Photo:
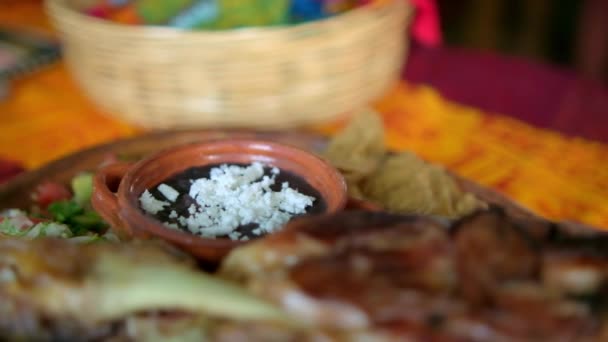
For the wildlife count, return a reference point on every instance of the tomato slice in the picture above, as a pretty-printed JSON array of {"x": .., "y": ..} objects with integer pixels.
[
  {"x": 49, "y": 192},
  {"x": 36, "y": 220}
]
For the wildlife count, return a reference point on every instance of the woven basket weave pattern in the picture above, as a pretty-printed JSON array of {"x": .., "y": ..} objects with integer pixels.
[{"x": 258, "y": 77}]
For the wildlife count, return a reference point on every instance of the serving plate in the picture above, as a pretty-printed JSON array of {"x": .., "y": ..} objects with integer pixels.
[{"x": 17, "y": 192}]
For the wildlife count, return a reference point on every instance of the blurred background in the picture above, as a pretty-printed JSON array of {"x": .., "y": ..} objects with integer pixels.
[{"x": 568, "y": 33}]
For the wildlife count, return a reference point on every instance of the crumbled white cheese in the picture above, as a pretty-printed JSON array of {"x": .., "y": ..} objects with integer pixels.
[
  {"x": 235, "y": 196},
  {"x": 234, "y": 235},
  {"x": 169, "y": 192},
  {"x": 150, "y": 204}
]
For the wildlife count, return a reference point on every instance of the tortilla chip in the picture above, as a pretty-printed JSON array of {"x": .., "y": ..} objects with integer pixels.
[
  {"x": 359, "y": 148},
  {"x": 469, "y": 203},
  {"x": 353, "y": 185},
  {"x": 398, "y": 186},
  {"x": 401, "y": 183},
  {"x": 404, "y": 183}
]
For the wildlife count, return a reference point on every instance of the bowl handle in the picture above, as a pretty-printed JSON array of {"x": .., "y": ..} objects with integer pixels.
[{"x": 104, "y": 199}]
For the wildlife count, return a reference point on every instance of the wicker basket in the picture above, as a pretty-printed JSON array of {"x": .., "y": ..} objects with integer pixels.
[{"x": 271, "y": 77}]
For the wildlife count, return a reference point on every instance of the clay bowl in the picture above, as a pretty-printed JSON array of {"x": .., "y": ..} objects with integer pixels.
[{"x": 117, "y": 187}]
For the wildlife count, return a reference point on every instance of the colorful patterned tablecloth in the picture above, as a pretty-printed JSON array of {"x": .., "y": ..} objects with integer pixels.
[{"x": 46, "y": 117}]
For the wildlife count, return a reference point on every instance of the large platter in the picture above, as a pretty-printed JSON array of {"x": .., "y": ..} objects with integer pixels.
[{"x": 16, "y": 193}]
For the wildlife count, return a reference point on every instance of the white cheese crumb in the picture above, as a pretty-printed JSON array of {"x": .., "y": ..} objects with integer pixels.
[
  {"x": 150, "y": 204},
  {"x": 192, "y": 209},
  {"x": 169, "y": 192},
  {"x": 172, "y": 225},
  {"x": 233, "y": 196}
]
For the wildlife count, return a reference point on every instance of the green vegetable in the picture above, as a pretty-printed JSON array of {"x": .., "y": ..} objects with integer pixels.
[
  {"x": 48, "y": 229},
  {"x": 63, "y": 211},
  {"x": 42, "y": 229},
  {"x": 82, "y": 187},
  {"x": 75, "y": 216},
  {"x": 89, "y": 220},
  {"x": 72, "y": 219},
  {"x": 77, "y": 212},
  {"x": 7, "y": 227}
]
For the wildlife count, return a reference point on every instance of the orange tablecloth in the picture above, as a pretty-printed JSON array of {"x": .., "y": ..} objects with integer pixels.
[{"x": 47, "y": 117}]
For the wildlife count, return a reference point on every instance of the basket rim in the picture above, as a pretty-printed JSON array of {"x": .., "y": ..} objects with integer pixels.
[{"x": 63, "y": 8}]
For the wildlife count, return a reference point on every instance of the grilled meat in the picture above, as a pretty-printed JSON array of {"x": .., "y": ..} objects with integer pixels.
[
  {"x": 487, "y": 277},
  {"x": 358, "y": 276}
]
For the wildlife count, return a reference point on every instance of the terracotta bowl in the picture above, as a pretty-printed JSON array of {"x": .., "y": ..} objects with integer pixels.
[{"x": 117, "y": 187}]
